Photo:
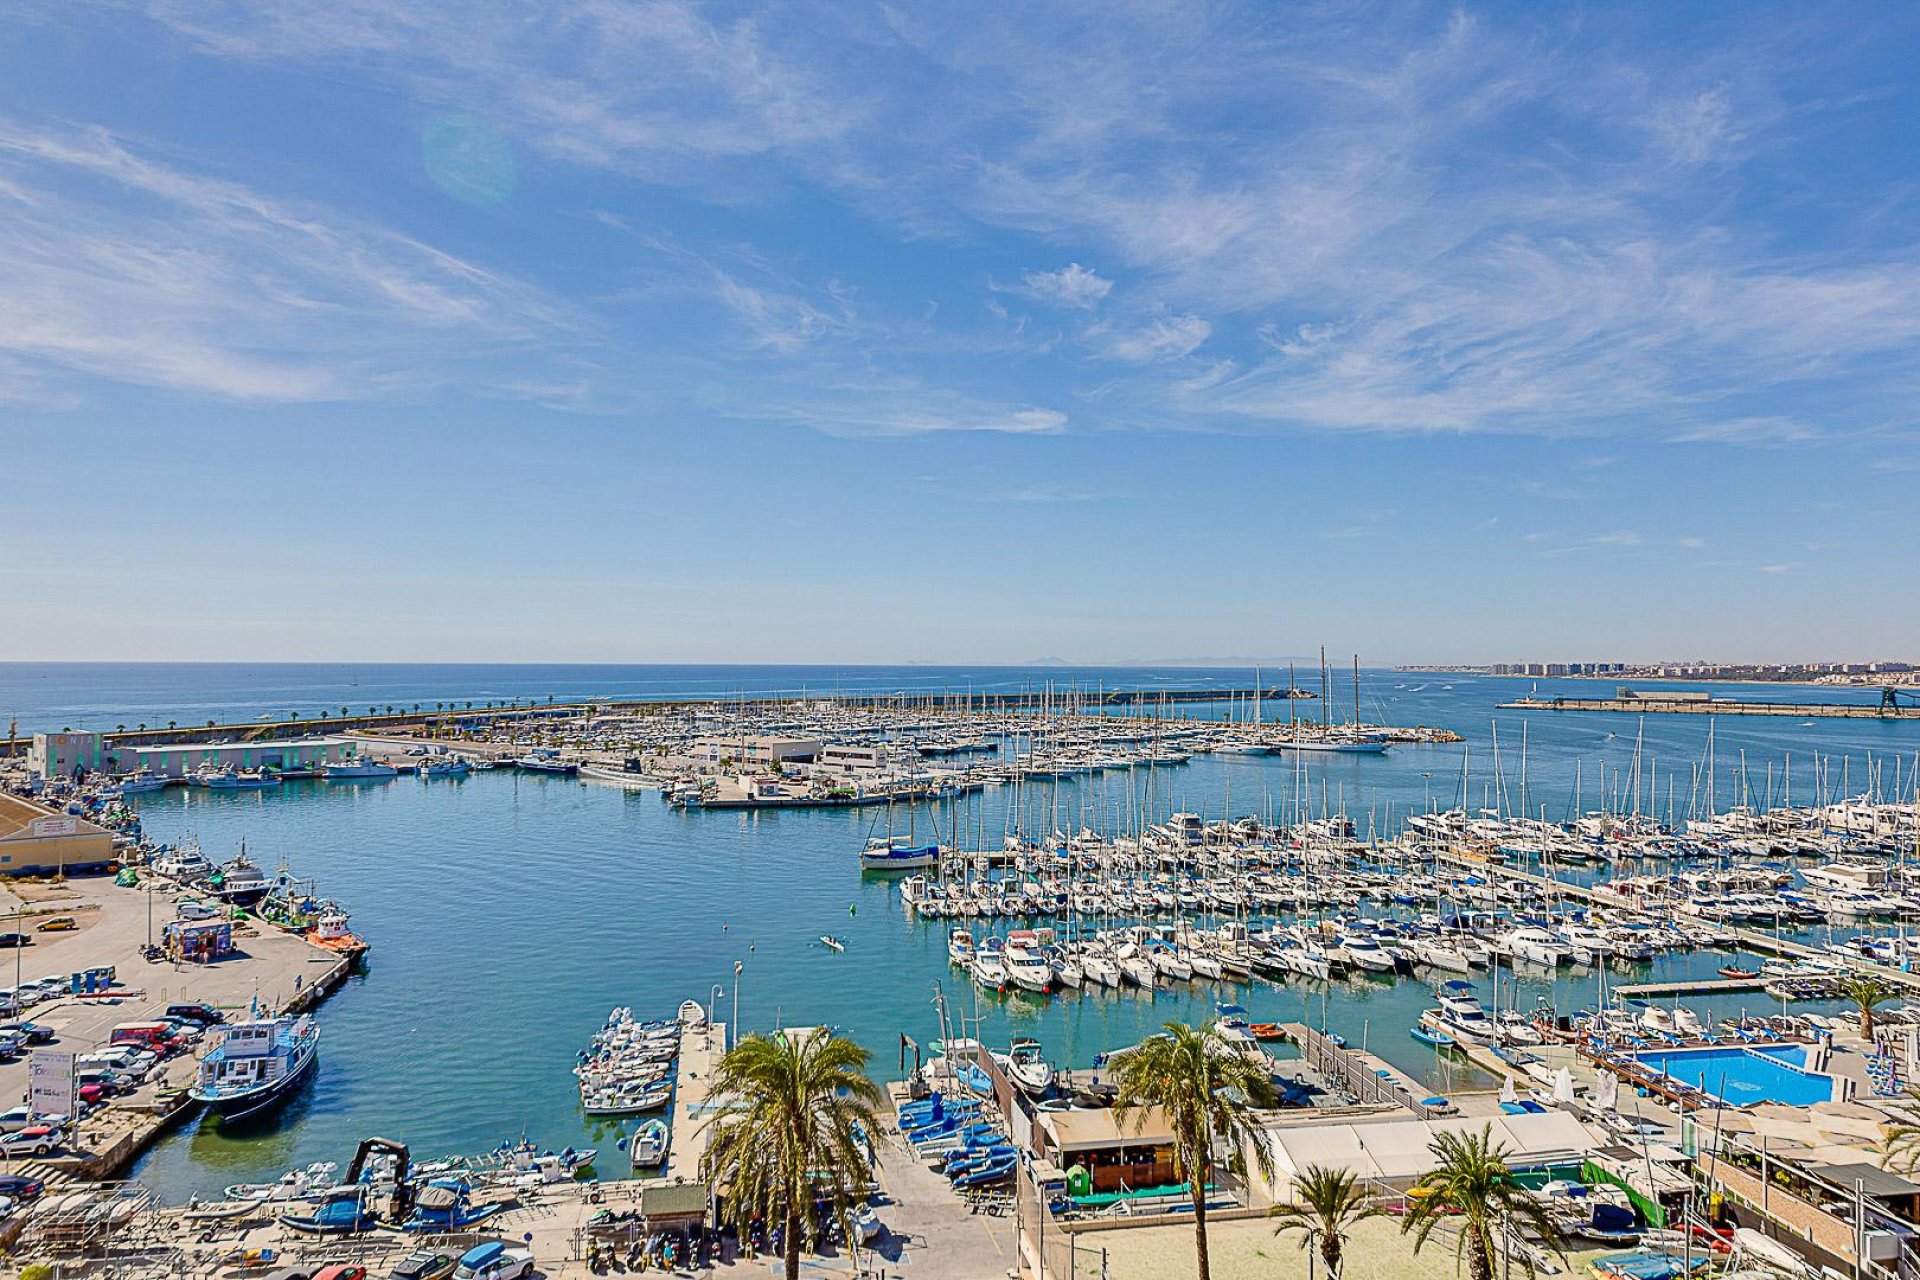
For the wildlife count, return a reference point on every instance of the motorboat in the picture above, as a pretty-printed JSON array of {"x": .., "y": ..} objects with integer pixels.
[
  {"x": 649, "y": 1146},
  {"x": 1461, "y": 1014},
  {"x": 547, "y": 760},
  {"x": 140, "y": 780},
  {"x": 1535, "y": 944},
  {"x": 1365, "y": 952},
  {"x": 1027, "y": 1069},
  {"x": 359, "y": 768},
  {"x": 1026, "y": 967},
  {"x": 960, "y": 947},
  {"x": 1231, "y": 1025},
  {"x": 229, "y": 778},
  {"x": 253, "y": 1066}
]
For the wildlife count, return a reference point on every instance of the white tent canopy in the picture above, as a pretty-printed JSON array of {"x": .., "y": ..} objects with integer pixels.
[{"x": 1399, "y": 1151}]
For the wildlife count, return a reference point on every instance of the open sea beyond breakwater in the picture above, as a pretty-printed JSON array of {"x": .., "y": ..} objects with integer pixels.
[{"x": 509, "y": 912}]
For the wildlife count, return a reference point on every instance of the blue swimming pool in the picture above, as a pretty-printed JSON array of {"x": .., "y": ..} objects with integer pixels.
[{"x": 1742, "y": 1076}]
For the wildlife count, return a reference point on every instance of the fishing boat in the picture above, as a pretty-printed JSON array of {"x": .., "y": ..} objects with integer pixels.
[
  {"x": 254, "y": 1065},
  {"x": 446, "y": 767},
  {"x": 240, "y": 883},
  {"x": 649, "y": 1146},
  {"x": 140, "y": 780},
  {"x": 447, "y": 1204},
  {"x": 330, "y": 932},
  {"x": 832, "y": 943},
  {"x": 692, "y": 1014}
]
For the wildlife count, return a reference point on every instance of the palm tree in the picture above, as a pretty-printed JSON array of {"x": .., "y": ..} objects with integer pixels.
[
  {"x": 790, "y": 1110},
  {"x": 1327, "y": 1203},
  {"x": 1900, "y": 1141},
  {"x": 1205, "y": 1089},
  {"x": 1474, "y": 1182},
  {"x": 1869, "y": 991}
]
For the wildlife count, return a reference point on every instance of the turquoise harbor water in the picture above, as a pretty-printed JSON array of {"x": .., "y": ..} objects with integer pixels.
[{"x": 508, "y": 913}]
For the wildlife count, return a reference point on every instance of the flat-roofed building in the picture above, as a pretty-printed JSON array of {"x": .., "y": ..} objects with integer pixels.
[
  {"x": 755, "y": 749},
  {"x": 176, "y": 760},
  {"x": 36, "y": 840},
  {"x": 67, "y": 755}
]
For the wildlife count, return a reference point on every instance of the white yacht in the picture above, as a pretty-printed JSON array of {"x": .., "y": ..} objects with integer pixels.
[
  {"x": 1026, "y": 967},
  {"x": 1027, "y": 1069},
  {"x": 1366, "y": 952},
  {"x": 354, "y": 768},
  {"x": 1461, "y": 1014},
  {"x": 1530, "y": 942},
  {"x": 141, "y": 780}
]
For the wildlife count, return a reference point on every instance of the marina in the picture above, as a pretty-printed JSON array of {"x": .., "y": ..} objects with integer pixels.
[{"x": 1057, "y": 898}]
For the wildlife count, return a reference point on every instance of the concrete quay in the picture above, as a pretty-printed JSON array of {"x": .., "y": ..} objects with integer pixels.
[{"x": 280, "y": 970}]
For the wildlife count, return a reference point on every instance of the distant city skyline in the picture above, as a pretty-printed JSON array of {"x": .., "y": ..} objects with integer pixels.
[{"x": 816, "y": 333}]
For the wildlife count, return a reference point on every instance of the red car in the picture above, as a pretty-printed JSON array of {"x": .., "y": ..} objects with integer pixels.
[{"x": 340, "y": 1273}]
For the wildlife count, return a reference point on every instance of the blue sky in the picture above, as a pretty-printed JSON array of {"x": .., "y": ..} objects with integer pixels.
[{"x": 853, "y": 332}]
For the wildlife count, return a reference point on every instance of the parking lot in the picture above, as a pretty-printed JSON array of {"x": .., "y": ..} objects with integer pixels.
[{"x": 113, "y": 929}]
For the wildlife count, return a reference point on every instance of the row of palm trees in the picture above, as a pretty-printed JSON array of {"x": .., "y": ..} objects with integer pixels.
[{"x": 793, "y": 1115}]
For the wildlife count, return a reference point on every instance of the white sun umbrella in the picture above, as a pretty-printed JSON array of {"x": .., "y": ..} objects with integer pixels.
[
  {"x": 1508, "y": 1093},
  {"x": 1563, "y": 1086},
  {"x": 1607, "y": 1096}
]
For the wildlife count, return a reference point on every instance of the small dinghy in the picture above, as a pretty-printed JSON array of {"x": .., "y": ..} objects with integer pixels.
[
  {"x": 832, "y": 943},
  {"x": 649, "y": 1148}
]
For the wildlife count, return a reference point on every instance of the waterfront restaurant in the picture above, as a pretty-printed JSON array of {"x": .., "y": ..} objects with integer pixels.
[{"x": 1105, "y": 1152}]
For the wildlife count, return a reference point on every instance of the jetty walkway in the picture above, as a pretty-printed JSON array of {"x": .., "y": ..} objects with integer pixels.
[
  {"x": 1654, "y": 704},
  {"x": 1747, "y": 939}
]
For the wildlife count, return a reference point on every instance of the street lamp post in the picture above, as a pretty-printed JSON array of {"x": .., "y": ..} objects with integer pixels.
[
  {"x": 713, "y": 1001},
  {"x": 733, "y": 1027}
]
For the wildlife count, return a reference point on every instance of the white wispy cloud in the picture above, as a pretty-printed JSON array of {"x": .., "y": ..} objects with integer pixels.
[
  {"x": 1392, "y": 220},
  {"x": 1071, "y": 286},
  {"x": 117, "y": 265},
  {"x": 1160, "y": 338}
]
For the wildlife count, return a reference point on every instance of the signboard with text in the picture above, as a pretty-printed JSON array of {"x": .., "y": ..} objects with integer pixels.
[{"x": 50, "y": 1083}]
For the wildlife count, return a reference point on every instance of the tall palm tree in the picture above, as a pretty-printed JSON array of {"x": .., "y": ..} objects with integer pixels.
[
  {"x": 1327, "y": 1203},
  {"x": 1204, "y": 1088},
  {"x": 1868, "y": 991},
  {"x": 785, "y": 1131},
  {"x": 1474, "y": 1182}
]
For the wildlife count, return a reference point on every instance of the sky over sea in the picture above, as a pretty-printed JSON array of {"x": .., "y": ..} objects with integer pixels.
[{"x": 850, "y": 332}]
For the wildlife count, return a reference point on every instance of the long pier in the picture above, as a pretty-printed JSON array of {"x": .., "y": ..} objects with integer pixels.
[
  {"x": 1747, "y": 939},
  {"x": 1654, "y": 704},
  {"x": 392, "y": 717}
]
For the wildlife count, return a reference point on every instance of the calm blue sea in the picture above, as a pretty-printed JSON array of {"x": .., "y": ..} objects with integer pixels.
[{"x": 509, "y": 913}]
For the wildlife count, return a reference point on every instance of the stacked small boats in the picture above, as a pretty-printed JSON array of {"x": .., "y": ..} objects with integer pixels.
[{"x": 628, "y": 1067}]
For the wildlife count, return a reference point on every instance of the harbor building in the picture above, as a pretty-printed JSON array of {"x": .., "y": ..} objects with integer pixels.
[
  {"x": 69, "y": 755},
  {"x": 756, "y": 749},
  {"x": 176, "y": 760},
  {"x": 35, "y": 840}
]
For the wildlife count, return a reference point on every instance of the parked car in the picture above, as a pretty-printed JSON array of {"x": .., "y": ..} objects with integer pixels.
[
  {"x": 203, "y": 1014},
  {"x": 34, "y": 1032},
  {"x": 58, "y": 924},
  {"x": 105, "y": 1080},
  {"x": 493, "y": 1261},
  {"x": 425, "y": 1264},
  {"x": 35, "y": 1139},
  {"x": 17, "y": 1118},
  {"x": 15, "y": 940},
  {"x": 341, "y": 1271},
  {"x": 19, "y": 1187},
  {"x": 12, "y": 1044}
]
